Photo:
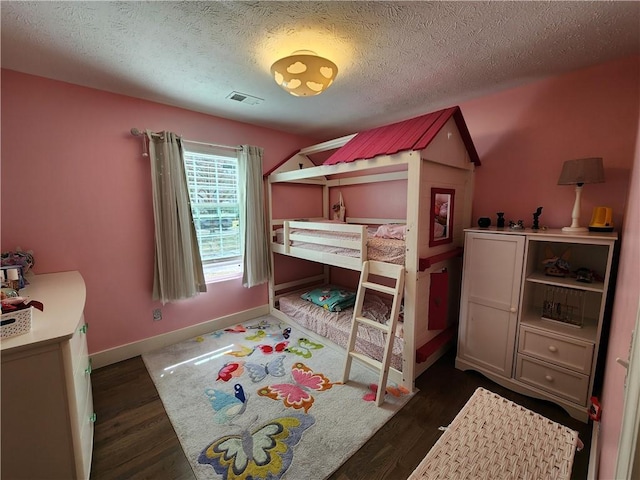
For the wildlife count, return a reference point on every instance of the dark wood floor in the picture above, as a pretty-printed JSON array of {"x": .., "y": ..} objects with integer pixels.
[{"x": 134, "y": 438}]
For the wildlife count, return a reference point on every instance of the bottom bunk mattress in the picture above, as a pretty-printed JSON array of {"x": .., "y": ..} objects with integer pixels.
[{"x": 336, "y": 326}]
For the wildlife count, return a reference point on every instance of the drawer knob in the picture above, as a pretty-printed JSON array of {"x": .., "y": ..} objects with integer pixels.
[
  {"x": 553, "y": 348},
  {"x": 548, "y": 378},
  {"x": 84, "y": 328},
  {"x": 88, "y": 370},
  {"x": 512, "y": 309},
  {"x": 93, "y": 418}
]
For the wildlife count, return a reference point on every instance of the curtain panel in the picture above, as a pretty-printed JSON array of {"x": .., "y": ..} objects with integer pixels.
[
  {"x": 256, "y": 257},
  {"x": 178, "y": 272}
]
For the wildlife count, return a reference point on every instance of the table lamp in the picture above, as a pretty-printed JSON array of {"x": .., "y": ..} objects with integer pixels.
[{"x": 578, "y": 172}]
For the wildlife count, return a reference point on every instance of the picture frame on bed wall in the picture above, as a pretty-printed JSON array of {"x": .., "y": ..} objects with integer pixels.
[{"x": 442, "y": 208}]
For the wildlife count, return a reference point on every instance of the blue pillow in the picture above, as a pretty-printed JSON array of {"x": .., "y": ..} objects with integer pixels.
[{"x": 332, "y": 298}]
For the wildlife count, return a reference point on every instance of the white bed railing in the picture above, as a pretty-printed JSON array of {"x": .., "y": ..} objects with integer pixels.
[{"x": 312, "y": 241}]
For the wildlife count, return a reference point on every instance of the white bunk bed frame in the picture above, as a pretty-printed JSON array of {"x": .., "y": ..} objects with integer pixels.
[{"x": 444, "y": 163}]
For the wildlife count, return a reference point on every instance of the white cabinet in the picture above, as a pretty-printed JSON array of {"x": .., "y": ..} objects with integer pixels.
[
  {"x": 527, "y": 330},
  {"x": 491, "y": 289},
  {"x": 47, "y": 409}
]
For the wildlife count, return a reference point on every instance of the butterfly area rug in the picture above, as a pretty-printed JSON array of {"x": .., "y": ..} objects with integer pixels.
[{"x": 260, "y": 401}]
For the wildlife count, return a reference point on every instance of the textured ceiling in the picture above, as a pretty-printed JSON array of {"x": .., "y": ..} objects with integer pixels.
[{"x": 396, "y": 60}]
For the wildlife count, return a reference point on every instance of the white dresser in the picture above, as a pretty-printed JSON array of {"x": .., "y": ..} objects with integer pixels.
[
  {"x": 47, "y": 408},
  {"x": 513, "y": 327}
]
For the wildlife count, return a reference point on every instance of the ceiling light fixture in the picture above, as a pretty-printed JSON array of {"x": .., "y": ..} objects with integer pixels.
[{"x": 304, "y": 74}]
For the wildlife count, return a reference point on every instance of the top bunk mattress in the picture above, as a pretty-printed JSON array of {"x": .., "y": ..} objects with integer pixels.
[{"x": 390, "y": 250}]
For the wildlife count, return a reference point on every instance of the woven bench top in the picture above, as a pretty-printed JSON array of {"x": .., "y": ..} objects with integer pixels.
[{"x": 494, "y": 438}]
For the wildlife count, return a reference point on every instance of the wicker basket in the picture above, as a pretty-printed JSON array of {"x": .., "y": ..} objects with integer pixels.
[{"x": 16, "y": 323}]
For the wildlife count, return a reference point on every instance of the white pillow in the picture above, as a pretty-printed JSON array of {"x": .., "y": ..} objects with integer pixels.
[{"x": 391, "y": 231}]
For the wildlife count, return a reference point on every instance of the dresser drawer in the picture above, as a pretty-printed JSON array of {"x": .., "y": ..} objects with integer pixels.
[
  {"x": 559, "y": 381},
  {"x": 563, "y": 351}
]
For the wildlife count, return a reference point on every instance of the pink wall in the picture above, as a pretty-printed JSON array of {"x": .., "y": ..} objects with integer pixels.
[
  {"x": 524, "y": 135},
  {"x": 623, "y": 323},
  {"x": 76, "y": 191}
]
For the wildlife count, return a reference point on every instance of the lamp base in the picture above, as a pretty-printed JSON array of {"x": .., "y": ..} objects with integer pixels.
[{"x": 574, "y": 229}]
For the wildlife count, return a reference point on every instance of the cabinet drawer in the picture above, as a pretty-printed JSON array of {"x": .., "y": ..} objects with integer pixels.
[
  {"x": 563, "y": 351},
  {"x": 553, "y": 379}
]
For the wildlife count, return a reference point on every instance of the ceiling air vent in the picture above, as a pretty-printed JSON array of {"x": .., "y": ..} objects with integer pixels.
[{"x": 245, "y": 98}]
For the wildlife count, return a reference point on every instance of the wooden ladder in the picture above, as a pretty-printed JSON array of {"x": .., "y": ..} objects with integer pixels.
[{"x": 387, "y": 270}]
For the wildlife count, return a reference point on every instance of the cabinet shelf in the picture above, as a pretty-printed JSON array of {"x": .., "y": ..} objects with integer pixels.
[
  {"x": 588, "y": 332},
  {"x": 566, "y": 282}
]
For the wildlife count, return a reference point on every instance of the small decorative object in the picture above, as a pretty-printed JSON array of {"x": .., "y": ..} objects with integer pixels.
[
  {"x": 16, "y": 265},
  {"x": 555, "y": 266},
  {"x": 584, "y": 275},
  {"x": 536, "y": 215},
  {"x": 564, "y": 305},
  {"x": 484, "y": 222},
  {"x": 339, "y": 210},
  {"x": 500, "y": 219},
  {"x": 516, "y": 226},
  {"x": 601, "y": 220}
]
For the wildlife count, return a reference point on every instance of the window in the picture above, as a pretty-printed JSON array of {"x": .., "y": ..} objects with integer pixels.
[{"x": 212, "y": 177}]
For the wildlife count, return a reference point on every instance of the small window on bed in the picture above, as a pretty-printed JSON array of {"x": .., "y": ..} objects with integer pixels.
[{"x": 441, "y": 230}]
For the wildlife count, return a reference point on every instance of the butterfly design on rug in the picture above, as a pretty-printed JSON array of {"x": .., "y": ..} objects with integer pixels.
[
  {"x": 242, "y": 352},
  {"x": 230, "y": 370},
  {"x": 265, "y": 453},
  {"x": 226, "y": 406},
  {"x": 269, "y": 349},
  {"x": 304, "y": 347},
  {"x": 297, "y": 395},
  {"x": 237, "y": 329},
  {"x": 259, "y": 371},
  {"x": 259, "y": 335}
]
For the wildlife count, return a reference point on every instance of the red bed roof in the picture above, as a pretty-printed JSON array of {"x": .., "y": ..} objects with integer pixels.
[{"x": 413, "y": 134}]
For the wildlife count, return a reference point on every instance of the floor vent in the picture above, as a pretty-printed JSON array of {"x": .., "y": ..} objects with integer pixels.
[{"x": 245, "y": 98}]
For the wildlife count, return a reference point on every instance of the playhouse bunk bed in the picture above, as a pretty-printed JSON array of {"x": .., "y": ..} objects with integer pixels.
[{"x": 430, "y": 160}]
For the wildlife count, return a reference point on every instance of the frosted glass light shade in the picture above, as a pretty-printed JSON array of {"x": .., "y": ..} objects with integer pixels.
[{"x": 304, "y": 74}]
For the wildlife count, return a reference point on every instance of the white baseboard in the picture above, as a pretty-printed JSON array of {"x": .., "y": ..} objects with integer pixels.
[{"x": 130, "y": 350}]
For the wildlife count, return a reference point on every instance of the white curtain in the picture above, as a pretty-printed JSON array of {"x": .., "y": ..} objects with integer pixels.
[
  {"x": 178, "y": 270},
  {"x": 256, "y": 257}
]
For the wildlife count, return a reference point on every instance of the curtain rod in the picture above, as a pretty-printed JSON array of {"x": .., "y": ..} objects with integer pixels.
[{"x": 137, "y": 133}]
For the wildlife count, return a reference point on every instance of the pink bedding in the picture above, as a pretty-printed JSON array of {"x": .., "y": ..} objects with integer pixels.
[{"x": 336, "y": 325}]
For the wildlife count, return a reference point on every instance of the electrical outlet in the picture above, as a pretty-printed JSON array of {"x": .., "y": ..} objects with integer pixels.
[{"x": 157, "y": 315}]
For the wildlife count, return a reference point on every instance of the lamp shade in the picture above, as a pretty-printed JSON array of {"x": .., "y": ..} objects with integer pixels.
[
  {"x": 304, "y": 74},
  {"x": 581, "y": 171}
]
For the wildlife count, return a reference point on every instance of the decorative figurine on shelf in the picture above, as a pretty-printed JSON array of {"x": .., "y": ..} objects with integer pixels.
[
  {"x": 500, "y": 219},
  {"x": 484, "y": 222},
  {"x": 555, "y": 266},
  {"x": 536, "y": 215},
  {"x": 339, "y": 210},
  {"x": 516, "y": 226}
]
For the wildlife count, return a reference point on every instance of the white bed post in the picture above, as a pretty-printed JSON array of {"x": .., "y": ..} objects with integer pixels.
[{"x": 414, "y": 169}]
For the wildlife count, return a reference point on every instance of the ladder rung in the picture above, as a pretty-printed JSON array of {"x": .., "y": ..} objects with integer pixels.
[
  {"x": 365, "y": 359},
  {"x": 374, "y": 324},
  {"x": 379, "y": 288}
]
